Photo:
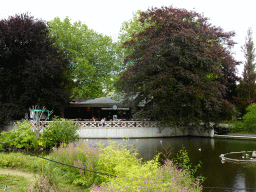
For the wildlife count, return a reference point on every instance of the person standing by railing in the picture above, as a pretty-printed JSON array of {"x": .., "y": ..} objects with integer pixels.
[
  {"x": 94, "y": 120},
  {"x": 103, "y": 121}
]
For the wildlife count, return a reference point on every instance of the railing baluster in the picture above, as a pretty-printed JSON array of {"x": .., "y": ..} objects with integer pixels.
[{"x": 84, "y": 124}]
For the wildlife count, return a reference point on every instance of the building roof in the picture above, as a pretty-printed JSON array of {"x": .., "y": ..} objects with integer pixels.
[{"x": 108, "y": 101}]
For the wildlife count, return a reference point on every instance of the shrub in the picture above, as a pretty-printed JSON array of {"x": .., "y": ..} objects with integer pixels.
[
  {"x": 237, "y": 127},
  {"x": 113, "y": 159},
  {"x": 249, "y": 119},
  {"x": 152, "y": 177},
  {"x": 60, "y": 131},
  {"x": 120, "y": 160},
  {"x": 248, "y": 123},
  {"x": 21, "y": 137},
  {"x": 123, "y": 162},
  {"x": 183, "y": 162}
]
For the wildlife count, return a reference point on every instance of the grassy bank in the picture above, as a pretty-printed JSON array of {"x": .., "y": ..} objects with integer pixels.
[
  {"x": 19, "y": 180},
  {"x": 13, "y": 182},
  {"x": 245, "y": 125}
]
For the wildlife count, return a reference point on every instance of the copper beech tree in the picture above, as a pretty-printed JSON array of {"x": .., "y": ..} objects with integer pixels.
[
  {"x": 32, "y": 71},
  {"x": 177, "y": 67}
]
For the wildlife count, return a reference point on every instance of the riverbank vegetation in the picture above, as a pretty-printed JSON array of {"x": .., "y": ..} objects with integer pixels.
[
  {"x": 124, "y": 171},
  {"x": 248, "y": 122},
  {"x": 59, "y": 131}
]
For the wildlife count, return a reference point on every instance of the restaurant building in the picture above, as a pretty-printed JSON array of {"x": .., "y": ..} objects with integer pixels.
[{"x": 109, "y": 107}]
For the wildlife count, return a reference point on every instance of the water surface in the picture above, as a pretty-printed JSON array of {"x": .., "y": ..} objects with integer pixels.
[{"x": 206, "y": 150}]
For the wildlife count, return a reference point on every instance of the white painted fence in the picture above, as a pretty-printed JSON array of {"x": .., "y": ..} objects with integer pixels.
[
  {"x": 133, "y": 129},
  {"x": 84, "y": 124}
]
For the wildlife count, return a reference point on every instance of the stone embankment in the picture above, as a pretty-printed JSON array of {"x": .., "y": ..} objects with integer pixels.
[
  {"x": 227, "y": 135},
  {"x": 236, "y": 136}
]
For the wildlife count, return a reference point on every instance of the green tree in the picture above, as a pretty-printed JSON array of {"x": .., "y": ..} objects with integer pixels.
[
  {"x": 134, "y": 26},
  {"x": 32, "y": 71},
  {"x": 176, "y": 68},
  {"x": 127, "y": 30},
  {"x": 93, "y": 56},
  {"x": 246, "y": 89}
]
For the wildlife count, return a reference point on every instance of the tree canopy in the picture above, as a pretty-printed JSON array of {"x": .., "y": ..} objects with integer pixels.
[
  {"x": 32, "y": 71},
  {"x": 93, "y": 56},
  {"x": 177, "y": 67},
  {"x": 247, "y": 87}
]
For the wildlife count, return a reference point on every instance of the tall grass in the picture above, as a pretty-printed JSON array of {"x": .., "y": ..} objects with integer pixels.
[
  {"x": 80, "y": 155},
  {"x": 131, "y": 173},
  {"x": 21, "y": 161},
  {"x": 122, "y": 161}
]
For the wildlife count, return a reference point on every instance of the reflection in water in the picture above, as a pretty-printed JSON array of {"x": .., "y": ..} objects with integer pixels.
[
  {"x": 239, "y": 181},
  {"x": 217, "y": 174},
  {"x": 212, "y": 143}
]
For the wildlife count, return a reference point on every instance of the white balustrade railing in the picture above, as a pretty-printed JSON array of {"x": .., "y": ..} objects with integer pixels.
[{"x": 85, "y": 124}]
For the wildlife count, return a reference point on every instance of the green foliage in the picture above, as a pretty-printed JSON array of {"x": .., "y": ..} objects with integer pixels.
[
  {"x": 121, "y": 161},
  {"x": 15, "y": 183},
  {"x": 248, "y": 123},
  {"x": 116, "y": 159},
  {"x": 93, "y": 57},
  {"x": 21, "y": 137},
  {"x": 79, "y": 155},
  {"x": 21, "y": 161},
  {"x": 249, "y": 119},
  {"x": 34, "y": 168},
  {"x": 113, "y": 160},
  {"x": 247, "y": 88},
  {"x": 237, "y": 127},
  {"x": 56, "y": 132},
  {"x": 44, "y": 182},
  {"x": 150, "y": 176},
  {"x": 183, "y": 161},
  {"x": 127, "y": 31},
  {"x": 130, "y": 176},
  {"x": 59, "y": 131}
]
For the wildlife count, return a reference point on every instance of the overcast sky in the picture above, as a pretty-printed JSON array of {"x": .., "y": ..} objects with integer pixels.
[{"x": 106, "y": 16}]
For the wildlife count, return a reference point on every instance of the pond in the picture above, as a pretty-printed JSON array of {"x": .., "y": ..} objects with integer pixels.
[{"x": 239, "y": 175}]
